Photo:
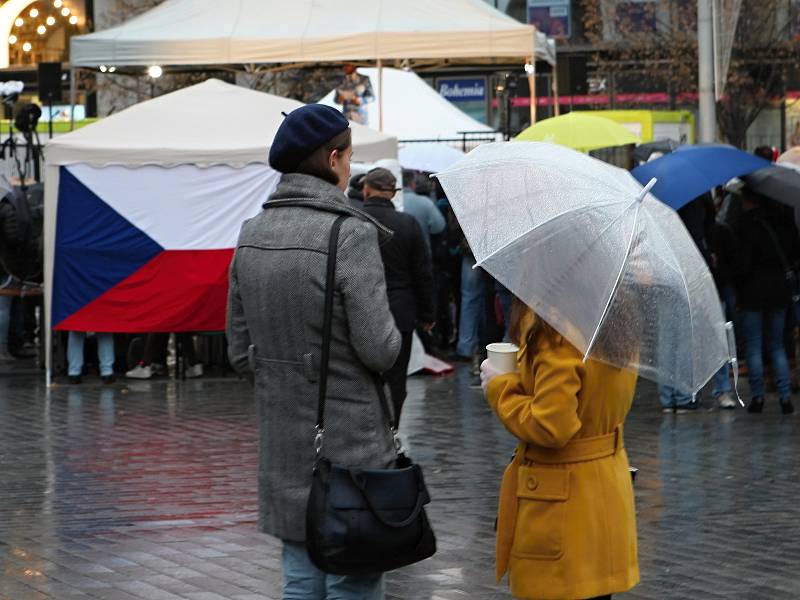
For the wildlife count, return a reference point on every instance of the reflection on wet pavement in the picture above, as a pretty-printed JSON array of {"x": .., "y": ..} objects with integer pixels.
[{"x": 147, "y": 491}]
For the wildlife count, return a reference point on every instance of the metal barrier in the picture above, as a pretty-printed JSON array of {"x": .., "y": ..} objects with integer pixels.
[{"x": 469, "y": 140}]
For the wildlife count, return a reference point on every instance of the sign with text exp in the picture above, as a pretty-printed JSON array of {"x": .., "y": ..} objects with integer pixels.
[{"x": 470, "y": 94}]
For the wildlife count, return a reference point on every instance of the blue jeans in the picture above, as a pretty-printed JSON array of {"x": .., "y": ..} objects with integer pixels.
[
  {"x": 5, "y": 320},
  {"x": 303, "y": 581},
  {"x": 671, "y": 398},
  {"x": 722, "y": 378},
  {"x": 105, "y": 353},
  {"x": 754, "y": 325},
  {"x": 473, "y": 310}
]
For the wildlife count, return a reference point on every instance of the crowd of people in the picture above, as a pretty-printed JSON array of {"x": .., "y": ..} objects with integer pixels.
[{"x": 298, "y": 323}]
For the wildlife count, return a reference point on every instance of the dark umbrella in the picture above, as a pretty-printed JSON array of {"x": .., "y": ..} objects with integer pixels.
[
  {"x": 643, "y": 152},
  {"x": 691, "y": 171},
  {"x": 778, "y": 182}
]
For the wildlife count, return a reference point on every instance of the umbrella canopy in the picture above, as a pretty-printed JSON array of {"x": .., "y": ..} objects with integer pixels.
[
  {"x": 643, "y": 152},
  {"x": 691, "y": 171},
  {"x": 605, "y": 263},
  {"x": 791, "y": 156},
  {"x": 580, "y": 131},
  {"x": 430, "y": 158},
  {"x": 780, "y": 182}
]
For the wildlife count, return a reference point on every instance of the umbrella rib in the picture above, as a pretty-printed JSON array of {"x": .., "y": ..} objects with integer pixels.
[{"x": 617, "y": 283}]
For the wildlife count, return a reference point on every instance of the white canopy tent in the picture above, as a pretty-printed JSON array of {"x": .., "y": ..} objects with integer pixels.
[
  {"x": 241, "y": 32},
  {"x": 247, "y": 33},
  {"x": 413, "y": 110},
  {"x": 183, "y": 170},
  {"x": 210, "y": 123}
]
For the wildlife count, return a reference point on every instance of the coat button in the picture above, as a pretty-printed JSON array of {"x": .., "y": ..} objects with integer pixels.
[{"x": 532, "y": 483}]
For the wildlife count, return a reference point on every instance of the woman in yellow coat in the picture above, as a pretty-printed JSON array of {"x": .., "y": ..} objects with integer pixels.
[{"x": 566, "y": 525}]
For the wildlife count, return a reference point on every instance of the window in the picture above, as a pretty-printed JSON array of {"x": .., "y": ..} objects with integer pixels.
[{"x": 636, "y": 16}]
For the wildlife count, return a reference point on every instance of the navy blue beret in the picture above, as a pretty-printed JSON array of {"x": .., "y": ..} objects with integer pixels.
[{"x": 304, "y": 130}]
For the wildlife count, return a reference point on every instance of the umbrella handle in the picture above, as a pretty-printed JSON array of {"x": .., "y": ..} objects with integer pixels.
[{"x": 646, "y": 190}]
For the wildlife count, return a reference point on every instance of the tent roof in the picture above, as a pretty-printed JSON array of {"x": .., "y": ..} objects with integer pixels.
[
  {"x": 413, "y": 110},
  {"x": 209, "y": 123},
  {"x": 209, "y": 32}
]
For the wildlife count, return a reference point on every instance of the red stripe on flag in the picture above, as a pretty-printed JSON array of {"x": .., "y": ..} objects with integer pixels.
[{"x": 179, "y": 290}]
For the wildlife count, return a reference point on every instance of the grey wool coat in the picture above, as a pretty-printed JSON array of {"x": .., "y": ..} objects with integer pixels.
[{"x": 275, "y": 314}]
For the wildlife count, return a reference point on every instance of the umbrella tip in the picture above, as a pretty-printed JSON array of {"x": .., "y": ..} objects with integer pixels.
[{"x": 646, "y": 190}]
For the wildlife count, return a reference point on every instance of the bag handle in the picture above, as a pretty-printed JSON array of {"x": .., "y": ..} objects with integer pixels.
[
  {"x": 327, "y": 326},
  {"x": 359, "y": 482}
]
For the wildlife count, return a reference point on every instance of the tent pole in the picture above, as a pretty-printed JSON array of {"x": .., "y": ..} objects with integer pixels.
[
  {"x": 380, "y": 95},
  {"x": 556, "y": 99},
  {"x": 73, "y": 96},
  {"x": 532, "y": 86}
]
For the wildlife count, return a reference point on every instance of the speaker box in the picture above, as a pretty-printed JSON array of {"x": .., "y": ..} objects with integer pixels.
[{"x": 50, "y": 82}]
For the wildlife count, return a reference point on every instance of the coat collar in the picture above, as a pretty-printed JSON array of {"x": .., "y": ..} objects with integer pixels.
[
  {"x": 379, "y": 202},
  {"x": 297, "y": 189}
]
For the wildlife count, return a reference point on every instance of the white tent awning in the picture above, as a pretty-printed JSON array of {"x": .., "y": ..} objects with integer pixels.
[
  {"x": 413, "y": 110},
  {"x": 207, "y": 124},
  {"x": 209, "y": 32}
]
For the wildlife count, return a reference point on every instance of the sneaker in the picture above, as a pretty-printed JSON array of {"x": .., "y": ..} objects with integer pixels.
[
  {"x": 756, "y": 405},
  {"x": 726, "y": 401},
  {"x": 74, "y": 379},
  {"x": 108, "y": 379},
  {"x": 668, "y": 410},
  {"x": 691, "y": 407},
  {"x": 787, "y": 408},
  {"x": 194, "y": 371},
  {"x": 140, "y": 372}
]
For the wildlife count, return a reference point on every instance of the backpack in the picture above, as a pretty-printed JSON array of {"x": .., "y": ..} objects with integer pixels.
[{"x": 25, "y": 260}]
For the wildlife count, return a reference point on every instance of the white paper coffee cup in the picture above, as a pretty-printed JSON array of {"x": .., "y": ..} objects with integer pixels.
[{"x": 503, "y": 356}]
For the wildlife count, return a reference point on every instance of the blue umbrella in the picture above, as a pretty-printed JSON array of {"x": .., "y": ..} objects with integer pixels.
[{"x": 691, "y": 171}]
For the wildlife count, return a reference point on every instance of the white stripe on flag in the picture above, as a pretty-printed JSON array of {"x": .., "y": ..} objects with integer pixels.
[{"x": 184, "y": 207}]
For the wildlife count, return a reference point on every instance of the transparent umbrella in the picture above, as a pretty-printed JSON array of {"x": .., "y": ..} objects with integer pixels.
[{"x": 598, "y": 257}]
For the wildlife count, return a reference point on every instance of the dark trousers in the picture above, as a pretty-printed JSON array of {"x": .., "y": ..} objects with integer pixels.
[
  {"x": 155, "y": 348},
  {"x": 396, "y": 376}
]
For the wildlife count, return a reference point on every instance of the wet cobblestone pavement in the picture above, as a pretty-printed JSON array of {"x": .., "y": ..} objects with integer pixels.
[{"x": 147, "y": 491}]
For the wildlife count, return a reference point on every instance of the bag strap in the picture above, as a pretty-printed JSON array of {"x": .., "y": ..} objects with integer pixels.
[
  {"x": 775, "y": 244},
  {"x": 327, "y": 326}
]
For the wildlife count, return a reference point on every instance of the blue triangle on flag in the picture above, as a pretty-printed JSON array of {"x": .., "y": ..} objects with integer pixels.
[{"x": 96, "y": 247}]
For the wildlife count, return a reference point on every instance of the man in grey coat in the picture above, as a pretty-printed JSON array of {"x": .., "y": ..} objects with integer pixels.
[{"x": 275, "y": 319}]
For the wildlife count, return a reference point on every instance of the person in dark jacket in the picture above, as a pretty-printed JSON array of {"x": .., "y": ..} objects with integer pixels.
[
  {"x": 409, "y": 273},
  {"x": 275, "y": 328},
  {"x": 9, "y": 241},
  {"x": 768, "y": 246}
]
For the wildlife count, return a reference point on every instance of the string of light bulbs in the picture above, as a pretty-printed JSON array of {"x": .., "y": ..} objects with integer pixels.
[{"x": 42, "y": 28}]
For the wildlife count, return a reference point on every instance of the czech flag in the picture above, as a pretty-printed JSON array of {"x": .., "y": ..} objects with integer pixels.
[{"x": 148, "y": 249}]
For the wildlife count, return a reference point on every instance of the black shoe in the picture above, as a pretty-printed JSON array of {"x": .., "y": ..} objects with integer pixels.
[
  {"x": 108, "y": 379},
  {"x": 475, "y": 383},
  {"x": 787, "y": 408},
  {"x": 74, "y": 379},
  {"x": 756, "y": 405},
  {"x": 691, "y": 407}
]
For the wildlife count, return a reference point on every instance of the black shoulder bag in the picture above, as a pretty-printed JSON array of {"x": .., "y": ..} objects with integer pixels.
[
  {"x": 792, "y": 280},
  {"x": 363, "y": 521}
]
